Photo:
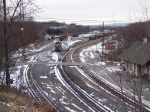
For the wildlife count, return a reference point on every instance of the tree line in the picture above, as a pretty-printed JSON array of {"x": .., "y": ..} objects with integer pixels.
[
  {"x": 17, "y": 30},
  {"x": 135, "y": 31}
]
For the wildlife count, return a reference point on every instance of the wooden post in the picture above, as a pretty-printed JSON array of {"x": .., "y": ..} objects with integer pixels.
[{"x": 103, "y": 43}]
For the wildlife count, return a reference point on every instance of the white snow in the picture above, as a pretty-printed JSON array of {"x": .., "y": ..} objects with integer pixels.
[
  {"x": 19, "y": 79},
  {"x": 44, "y": 77}
]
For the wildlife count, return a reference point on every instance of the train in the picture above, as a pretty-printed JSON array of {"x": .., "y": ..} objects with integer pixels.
[
  {"x": 58, "y": 46},
  {"x": 97, "y": 34},
  {"x": 62, "y": 37}
]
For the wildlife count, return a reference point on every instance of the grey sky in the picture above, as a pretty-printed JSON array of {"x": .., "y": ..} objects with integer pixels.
[{"x": 78, "y": 11}]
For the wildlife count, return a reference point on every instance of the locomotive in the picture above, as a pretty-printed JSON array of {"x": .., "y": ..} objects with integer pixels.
[{"x": 58, "y": 46}]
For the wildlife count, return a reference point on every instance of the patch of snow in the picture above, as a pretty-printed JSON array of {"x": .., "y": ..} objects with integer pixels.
[
  {"x": 55, "y": 56},
  {"x": 52, "y": 91},
  {"x": 70, "y": 110},
  {"x": 91, "y": 86},
  {"x": 43, "y": 77},
  {"x": 79, "y": 109},
  {"x": 146, "y": 89}
]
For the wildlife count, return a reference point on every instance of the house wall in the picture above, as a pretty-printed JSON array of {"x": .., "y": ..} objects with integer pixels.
[
  {"x": 136, "y": 69},
  {"x": 132, "y": 64},
  {"x": 147, "y": 70},
  {"x": 132, "y": 68}
]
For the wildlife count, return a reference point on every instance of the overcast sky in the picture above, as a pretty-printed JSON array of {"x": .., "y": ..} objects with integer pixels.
[{"x": 92, "y": 11}]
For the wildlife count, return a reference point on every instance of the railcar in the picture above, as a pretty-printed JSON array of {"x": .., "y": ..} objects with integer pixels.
[{"x": 58, "y": 46}]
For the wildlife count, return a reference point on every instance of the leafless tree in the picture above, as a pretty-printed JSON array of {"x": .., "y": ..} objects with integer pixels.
[
  {"x": 16, "y": 14},
  {"x": 132, "y": 33}
]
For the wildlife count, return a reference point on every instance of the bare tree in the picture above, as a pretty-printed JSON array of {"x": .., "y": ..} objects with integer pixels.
[
  {"x": 132, "y": 33},
  {"x": 16, "y": 13}
]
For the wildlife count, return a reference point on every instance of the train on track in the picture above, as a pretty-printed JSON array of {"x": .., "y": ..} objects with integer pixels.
[{"x": 58, "y": 46}]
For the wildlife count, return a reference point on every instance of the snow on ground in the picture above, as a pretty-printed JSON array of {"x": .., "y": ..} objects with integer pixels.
[
  {"x": 49, "y": 56},
  {"x": 66, "y": 44},
  {"x": 30, "y": 49},
  {"x": 43, "y": 77},
  {"x": 70, "y": 42},
  {"x": 18, "y": 72},
  {"x": 104, "y": 68}
]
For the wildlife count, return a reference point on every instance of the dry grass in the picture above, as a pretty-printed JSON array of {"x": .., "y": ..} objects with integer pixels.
[{"x": 12, "y": 100}]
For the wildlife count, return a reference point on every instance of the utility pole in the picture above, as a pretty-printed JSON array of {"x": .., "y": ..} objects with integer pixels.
[
  {"x": 103, "y": 43},
  {"x": 6, "y": 46},
  {"x": 22, "y": 28}
]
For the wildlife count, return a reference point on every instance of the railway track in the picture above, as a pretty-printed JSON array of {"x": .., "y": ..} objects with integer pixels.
[
  {"x": 35, "y": 91},
  {"x": 126, "y": 98},
  {"x": 86, "y": 98},
  {"x": 39, "y": 95},
  {"x": 90, "y": 101}
]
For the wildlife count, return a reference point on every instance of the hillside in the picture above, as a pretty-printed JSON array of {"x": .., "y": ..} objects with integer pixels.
[{"x": 12, "y": 100}]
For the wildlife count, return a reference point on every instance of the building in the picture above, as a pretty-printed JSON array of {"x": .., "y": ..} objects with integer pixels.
[
  {"x": 137, "y": 58},
  {"x": 47, "y": 37}
]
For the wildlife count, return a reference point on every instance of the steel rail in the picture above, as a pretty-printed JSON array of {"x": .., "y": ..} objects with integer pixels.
[
  {"x": 37, "y": 92},
  {"x": 120, "y": 94},
  {"x": 84, "y": 96}
]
